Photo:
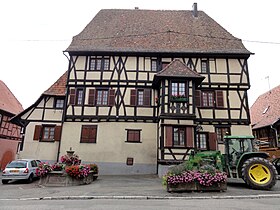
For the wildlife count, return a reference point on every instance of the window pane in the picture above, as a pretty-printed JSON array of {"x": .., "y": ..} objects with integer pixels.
[
  {"x": 154, "y": 65},
  {"x": 182, "y": 89},
  {"x": 59, "y": 103},
  {"x": 182, "y": 137},
  {"x": 79, "y": 97},
  {"x": 102, "y": 97},
  {"x": 106, "y": 64},
  {"x": 98, "y": 64},
  {"x": 92, "y": 64},
  {"x": 175, "y": 136},
  {"x": 140, "y": 97},
  {"x": 174, "y": 89}
]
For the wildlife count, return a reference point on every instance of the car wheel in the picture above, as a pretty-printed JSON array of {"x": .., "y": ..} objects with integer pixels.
[
  {"x": 5, "y": 181},
  {"x": 30, "y": 178}
]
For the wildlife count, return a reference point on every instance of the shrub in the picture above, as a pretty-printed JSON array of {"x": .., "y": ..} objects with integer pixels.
[
  {"x": 58, "y": 167},
  {"x": 93, "y": 168},
  {"x": 77, "y": 171},
  {"x": 43, "y": 169},
  {"x": 70, "y": 159}
]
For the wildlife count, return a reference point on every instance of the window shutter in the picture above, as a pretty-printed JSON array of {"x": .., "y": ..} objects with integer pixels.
[
  {"x": 91, "y": 97},
  {"x": 219, "y": 98},
  {"x": 168, "y": 136},
  {"x": 189, "y": 135},
  {"x": 213, "y": 141},
  {"x": 198, "y": 98},
  {"x": 147, "y": 97},
  {"x": 72, "y": 96},
  {"x": 133, "y": 97},
  {"x": 57, "y": 133},
  {"x": 111, "y": 97},
  {"x": 37, "y": 132}
]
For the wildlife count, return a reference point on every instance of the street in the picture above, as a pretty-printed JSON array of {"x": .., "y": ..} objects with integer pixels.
[{"x": 109, "y": 204}]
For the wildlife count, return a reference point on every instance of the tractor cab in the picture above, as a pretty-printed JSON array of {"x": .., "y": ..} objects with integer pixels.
[{"x": 236, "y": 146}]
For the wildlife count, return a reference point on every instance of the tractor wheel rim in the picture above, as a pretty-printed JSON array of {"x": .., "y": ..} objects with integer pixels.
[{"x": 259, "y": 173}]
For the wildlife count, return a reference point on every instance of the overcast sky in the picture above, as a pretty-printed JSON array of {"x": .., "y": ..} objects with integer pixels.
[{"x": 34, "y": 34}]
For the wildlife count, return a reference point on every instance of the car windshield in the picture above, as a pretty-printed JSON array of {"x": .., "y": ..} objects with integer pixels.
[{"x": 17, "y": 164}]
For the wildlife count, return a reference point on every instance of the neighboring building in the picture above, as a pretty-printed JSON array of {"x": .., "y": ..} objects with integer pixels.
[
  {"x": 265, "y": 115},
  {"x": 144, "y": 89},
  {"x": 10, "y": 135}
]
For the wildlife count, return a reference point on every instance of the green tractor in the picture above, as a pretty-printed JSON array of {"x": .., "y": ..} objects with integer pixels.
[{"x": 241, "y": 161}]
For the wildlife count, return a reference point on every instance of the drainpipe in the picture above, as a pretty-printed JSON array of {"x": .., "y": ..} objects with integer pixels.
[
  {"x": 63, "y": 114},
  {"x": 275, "y": 143}
]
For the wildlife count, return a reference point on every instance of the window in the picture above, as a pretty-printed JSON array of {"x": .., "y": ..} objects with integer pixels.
[
  {"x": 221, "y": 132},
  {"x": 133, "y": 135},
  {"x": 76, "y": 96},
  {"x": 201, "y": 143},
  {"x": 153, "y": 65},
  {"x": 89, "y": 133},
  {"x": 178, "y": 89},
  {"x": 47, "y": 133},
  {"x": 208, "y": 99},
  {"x": 102, "y": 97},
  {"x": 140, "y": 97},
  {"x": 58, "y": 104},
  {"x": 179, "y": 136},
  {"x": 99, "y": 63},
  {"x": 204, "y": 66}
]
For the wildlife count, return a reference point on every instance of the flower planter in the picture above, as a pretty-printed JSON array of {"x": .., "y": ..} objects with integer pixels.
[
  {"x": 60, "y": 178},
  {"x": 194, "y": 186},
  {"x": 179, "y": 100}
]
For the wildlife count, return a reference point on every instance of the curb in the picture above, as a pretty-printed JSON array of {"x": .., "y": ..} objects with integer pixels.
[{"x": 146, "y": 197}]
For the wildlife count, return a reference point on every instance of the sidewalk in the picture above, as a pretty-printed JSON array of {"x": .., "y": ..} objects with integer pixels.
[{"x": 125, "y": 187}]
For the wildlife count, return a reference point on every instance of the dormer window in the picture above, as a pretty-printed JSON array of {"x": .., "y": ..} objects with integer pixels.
[{"x": 266, "y": 109}]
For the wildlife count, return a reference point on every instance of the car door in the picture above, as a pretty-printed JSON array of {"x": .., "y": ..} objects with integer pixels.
[{"x": 33, "y": 167}]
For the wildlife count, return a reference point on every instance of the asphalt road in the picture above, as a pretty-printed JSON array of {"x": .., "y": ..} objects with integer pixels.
[{"x": 127, "y": 187}]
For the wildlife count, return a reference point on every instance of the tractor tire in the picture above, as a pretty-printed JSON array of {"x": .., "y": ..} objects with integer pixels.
[{"x": 258, "y": 173}]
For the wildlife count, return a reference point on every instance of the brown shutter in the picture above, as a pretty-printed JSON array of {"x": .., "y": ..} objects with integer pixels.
[
  {"x": 91, "y": 97},
  {"x": 133, "y": 97},
  {"x": 72, "y": 96},
  {"x": 189, "y": 135},
  {"x": 111, "y": 97},
  {"x": 213, "y": 141},
  {"x": 85, "y": 134},
  {"x": 57, "y": 133},
  {"x": 219, "y": 98},
  {"x": 168, "y": 136},
  {"x": 198, "y": 98},
  {"x": 147, "y": 97},
  {"x": 37, "y": 132}
]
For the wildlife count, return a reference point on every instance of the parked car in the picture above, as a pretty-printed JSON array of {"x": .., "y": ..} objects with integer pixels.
[{"x": 22, "y": 169}]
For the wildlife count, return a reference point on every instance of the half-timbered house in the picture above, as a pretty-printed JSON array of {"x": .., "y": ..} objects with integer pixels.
[
  {"x": 265, "y": 115},
  {"x": 10, "y": 134},
  {"x": 145, "y": 88}
]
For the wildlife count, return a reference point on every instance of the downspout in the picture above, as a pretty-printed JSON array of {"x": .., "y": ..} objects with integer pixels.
[
  {"x": 64, "y": 112},
  {"x": 275, "y": 143}
]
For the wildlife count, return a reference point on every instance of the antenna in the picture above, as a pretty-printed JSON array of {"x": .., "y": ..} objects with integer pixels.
[{"x": 267, "y": 77}]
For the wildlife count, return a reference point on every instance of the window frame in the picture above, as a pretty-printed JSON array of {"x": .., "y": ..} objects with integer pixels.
[
  {"x": 50, "y": 138},
  {"x": 204, "y": 66},
  {"x": 133, "y": 132},
  {"x": 154, "y": 65},
  {"x": 103, "y": 100},
  {"x": 198, "y": 141},
  {"x": 221, "y": 131},
  {"x": 56, "y": 103},
  {"x": 181, "y": 142},
  {"x": 207, "y": 101},
  {"x": 99, "y": 63},
  {"x": 89, "y": 139}
]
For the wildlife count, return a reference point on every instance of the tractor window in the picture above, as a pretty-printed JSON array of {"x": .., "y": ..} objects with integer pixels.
[{"x": 247, "y": 145}]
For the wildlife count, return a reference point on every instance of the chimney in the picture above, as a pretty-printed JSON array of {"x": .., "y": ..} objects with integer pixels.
[
  {"x": 195, "y": 9},
  {"x": 136, "y": 7}
]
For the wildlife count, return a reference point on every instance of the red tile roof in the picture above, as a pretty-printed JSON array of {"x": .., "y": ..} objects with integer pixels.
[
  {"x": 170, "y": 31},
  {"x": 178, "y": 69},
  {"x": 59, "y": 87},
  {"x": 8, "y": 102},
  {"x": 266, "y": 109}
]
